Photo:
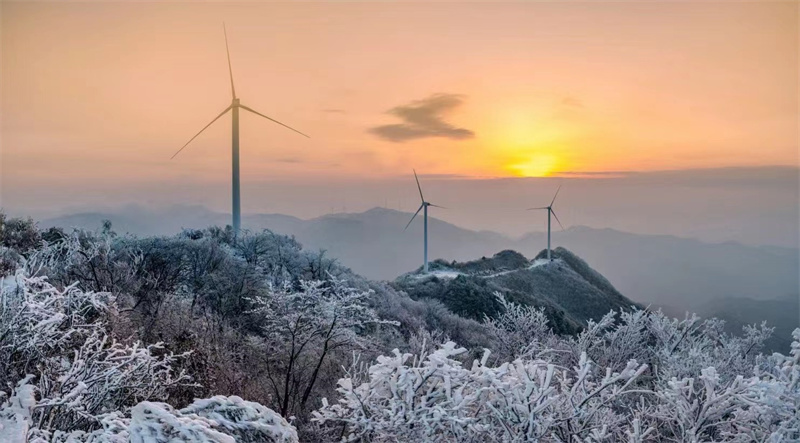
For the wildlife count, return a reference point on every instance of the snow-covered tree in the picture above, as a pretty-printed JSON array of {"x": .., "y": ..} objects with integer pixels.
[{"x": 302, "y": 327}]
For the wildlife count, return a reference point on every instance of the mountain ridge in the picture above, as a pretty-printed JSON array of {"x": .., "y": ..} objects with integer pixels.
[
  {"x": 569, "y": 291},
  {"x": 392, "y": 250},
  {"x": 651, "y": 269}
]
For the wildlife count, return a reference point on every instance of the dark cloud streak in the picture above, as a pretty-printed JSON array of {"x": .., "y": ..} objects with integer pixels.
[{"x": 423, "y": 119}]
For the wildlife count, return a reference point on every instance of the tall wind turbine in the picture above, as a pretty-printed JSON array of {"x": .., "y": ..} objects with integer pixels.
[
  {"x": 550, "y": 212},
  {"x": 234, "y": 108},
  {"x": 423, "y": 206}
]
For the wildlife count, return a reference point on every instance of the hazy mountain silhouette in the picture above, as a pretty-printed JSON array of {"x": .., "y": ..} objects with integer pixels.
[
  {"x": 780, "y": 313},
  {"x": 676, "y": 273}
]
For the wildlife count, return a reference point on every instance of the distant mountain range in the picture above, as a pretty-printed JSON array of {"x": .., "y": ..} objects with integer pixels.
[{"x": 666, "y": 270}]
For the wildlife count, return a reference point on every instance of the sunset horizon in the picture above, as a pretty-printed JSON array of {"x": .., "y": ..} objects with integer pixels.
[{"x": 572, "y": 91}]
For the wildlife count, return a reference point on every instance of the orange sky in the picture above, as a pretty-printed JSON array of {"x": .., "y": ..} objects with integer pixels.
[{"x": 107, "y": 92}]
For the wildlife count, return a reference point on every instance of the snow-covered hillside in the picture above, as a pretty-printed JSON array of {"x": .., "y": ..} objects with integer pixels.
[
  {"x": 570, "y": 291},
  {"x": 214, "y": 338}
]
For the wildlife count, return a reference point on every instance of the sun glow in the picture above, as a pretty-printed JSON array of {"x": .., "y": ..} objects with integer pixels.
[
  {"x": 524, "y": 139},
  {"x": 538, "y": 165}
]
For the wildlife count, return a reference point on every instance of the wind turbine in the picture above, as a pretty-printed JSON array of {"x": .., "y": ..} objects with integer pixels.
[
  {"x": 549, "y": 212},
  {"x": 422, "y": 206},
  {"x": 234, "y": 108}
]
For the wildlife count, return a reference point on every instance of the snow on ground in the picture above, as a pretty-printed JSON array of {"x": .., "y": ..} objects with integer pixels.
[
  {"x": 15, "y": 417},
  {"x": 535, "y": 264},
  {"x": 540, "y": 262},
  {"x": 214, "y": 420},
  {"x": 450, "y": 274},
  {"x": 8, "y": 283},
  {"x": 446, "y": 274}
]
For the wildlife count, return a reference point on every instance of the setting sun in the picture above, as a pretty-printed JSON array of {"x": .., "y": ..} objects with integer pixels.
[{"x": 538, "y": 165}]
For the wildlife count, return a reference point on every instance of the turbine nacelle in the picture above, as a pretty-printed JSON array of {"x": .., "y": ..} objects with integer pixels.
[
  {"x": 550, "y": 211},
  {"x": 423, "y": 204},
  {"x": 549, "y": 208}
]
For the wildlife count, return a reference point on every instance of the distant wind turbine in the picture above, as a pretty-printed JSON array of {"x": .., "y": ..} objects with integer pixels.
[
  {"x": 549, "y": 212},
  {"x": 424, "y": 206},
  {"x": 234, "y": 107}
]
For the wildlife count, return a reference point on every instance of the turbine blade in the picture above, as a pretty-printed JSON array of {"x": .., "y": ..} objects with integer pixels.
[
  {"x": 418, "y": 186},
  {"x": 436, "y": 206},
  {"x": 273, "y": 120},
  {"x": 559, "y": 221},
  {"x": 412, "y": 217},
  {"x": 204, "y": 128},
  {"x": 533, "y": 209},
  {"x": 554, "y": 197},
  {"x": 230, "y": 69}
]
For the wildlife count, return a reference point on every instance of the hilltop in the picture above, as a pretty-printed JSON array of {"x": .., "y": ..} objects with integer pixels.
[{"x": 567, "y": 288}]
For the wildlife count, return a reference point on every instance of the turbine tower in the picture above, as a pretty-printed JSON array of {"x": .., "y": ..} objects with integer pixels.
[
  {"x": 423, "y": 206},
  {"x": 550, "y": 212},
  {"x": 234, "y": 108}
]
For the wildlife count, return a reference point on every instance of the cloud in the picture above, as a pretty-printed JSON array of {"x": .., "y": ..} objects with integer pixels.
[{"x": 423, "y": 119}]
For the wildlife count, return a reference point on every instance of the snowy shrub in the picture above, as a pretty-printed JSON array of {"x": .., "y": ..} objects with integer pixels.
[
  {"x": 18, "y": 234},
  {"x": 79, "y": 372},
  {"x": 10, "y": 260},
  {"x": 433, "y": 397},
  {"x": 82, "y": 257},
  {"x": 520, "y": 331}
]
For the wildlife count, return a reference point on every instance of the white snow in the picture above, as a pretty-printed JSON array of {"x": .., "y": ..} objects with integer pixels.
[
  {"x": 215, "y": 420},
  {"x": 450, "y": 274},
  {"x": 155, "y": 422},
  {"x": 238, "y": 416},
  {"x": 8, "y": 283},
  {"x": 535, "y": 264},
  {"x": 15, "y": 415},
  {"x": 446, "y": 274}
]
